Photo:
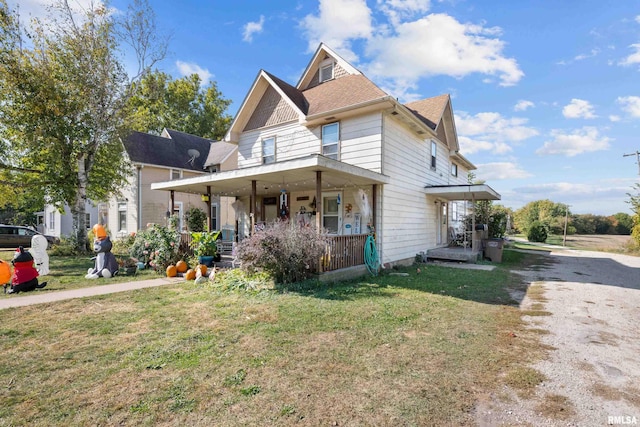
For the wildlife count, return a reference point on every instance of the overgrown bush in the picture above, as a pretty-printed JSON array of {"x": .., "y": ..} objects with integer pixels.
[
  {"x": 123, "y": 245},
  {"x": 196, "y": 219},
  {"x": 157, "y": 247},
  {"x": 66, "y": 247},
  {"x": 237, "y": 279},
  {"x": 537, "y": 232},
  {"x": 285, "y": 250}
]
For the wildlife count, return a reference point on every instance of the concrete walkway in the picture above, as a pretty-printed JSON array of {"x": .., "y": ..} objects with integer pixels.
[{"x": 42, "y": 296}]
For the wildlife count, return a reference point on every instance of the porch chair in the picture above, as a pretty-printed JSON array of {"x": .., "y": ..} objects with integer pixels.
[{"x": 226, "y": 240}]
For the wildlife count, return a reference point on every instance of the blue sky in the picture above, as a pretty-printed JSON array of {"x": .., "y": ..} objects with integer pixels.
[{"x": 546, "y": 94}]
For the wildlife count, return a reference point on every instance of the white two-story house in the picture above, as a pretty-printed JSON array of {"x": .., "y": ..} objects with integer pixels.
[{"x": 337, "y": 152}]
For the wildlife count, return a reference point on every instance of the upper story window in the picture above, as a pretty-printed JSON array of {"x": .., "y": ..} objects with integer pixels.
[
  {"x": 122, "y": 215},
  {"x": 326, "y": 70},
  {"x": 268, "y": 150},
  {"x": 331, "y": 140},
  {"x": 454, "y": 169},
  {"x": 434, "y": 154},
  {"x": 175, "y": 174}
]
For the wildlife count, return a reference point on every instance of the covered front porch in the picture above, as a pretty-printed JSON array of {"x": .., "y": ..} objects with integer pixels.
[
  {"x": 314, "y": 191},
  {"x": 464, "y": 245}
]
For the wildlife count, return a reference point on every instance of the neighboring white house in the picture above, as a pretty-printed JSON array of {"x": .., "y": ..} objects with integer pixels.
[
  {"x": 171, "y": 155},
  {"x": 54, "y": 223},
  {"x": 326, "y": 150}
]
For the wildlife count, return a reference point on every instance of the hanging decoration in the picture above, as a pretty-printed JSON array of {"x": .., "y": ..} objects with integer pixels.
[
  {"x": 362, "y": 200},
  {"x": 238, "y": 206},
  {"x": 284, "y": 208}
]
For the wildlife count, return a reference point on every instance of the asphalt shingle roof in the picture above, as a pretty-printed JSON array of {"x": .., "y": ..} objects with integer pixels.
[
  {"x": 429, "y": 110},
  {"x": 169, "y": 152},
  {"x": 343, "y": 92}
]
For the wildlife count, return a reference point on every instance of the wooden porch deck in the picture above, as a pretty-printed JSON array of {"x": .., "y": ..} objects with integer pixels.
[{"x": 455, "y": 253}]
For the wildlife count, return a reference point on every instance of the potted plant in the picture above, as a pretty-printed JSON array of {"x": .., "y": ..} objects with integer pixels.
[
  {"x": 127, "y": 265},
  {"x": 204, "y": 245}
]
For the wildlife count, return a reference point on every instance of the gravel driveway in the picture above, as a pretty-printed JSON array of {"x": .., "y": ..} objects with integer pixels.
[{"x": 594, "y": 326}]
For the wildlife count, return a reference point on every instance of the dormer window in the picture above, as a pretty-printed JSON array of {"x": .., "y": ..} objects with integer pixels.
[{"x": 326, "y": 70}]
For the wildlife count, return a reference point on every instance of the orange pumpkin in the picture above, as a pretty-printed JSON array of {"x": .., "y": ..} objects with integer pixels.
[
  {"x": 190, "y": 274},
  {"x": 172, "y": 271},
  {"x": 203, "y": 269},
  {"x": 182, "y": 266}
]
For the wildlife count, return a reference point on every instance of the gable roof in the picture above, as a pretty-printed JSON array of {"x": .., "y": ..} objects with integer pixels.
[
  {"x": 170, "y": 150},
  {"x": 323, "y": 51},
  {"x": 291, "y": 92},
  {"x": 429, "y": 110},
  {"x": 340, "y": 93},
  {"x": 219, "y": 152}
]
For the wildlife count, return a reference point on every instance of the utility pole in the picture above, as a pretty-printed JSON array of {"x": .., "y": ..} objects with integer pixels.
[
  {"x": 566, "y": 219},
  {"x": 637, "y": 154}
]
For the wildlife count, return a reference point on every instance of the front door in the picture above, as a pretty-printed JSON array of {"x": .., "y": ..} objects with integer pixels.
[
  {"x": 442, "y": 222},
  {"x": 332, "y": 212}
]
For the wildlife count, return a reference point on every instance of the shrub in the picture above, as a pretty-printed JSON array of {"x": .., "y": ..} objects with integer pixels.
[
  {"x": 537, "y": 232},
  {"x": 285, "y": 250},
  {"x": 196, "y": 219},
  {"x": 157, "y": 247},
  {"x": 66, "y": 247}
]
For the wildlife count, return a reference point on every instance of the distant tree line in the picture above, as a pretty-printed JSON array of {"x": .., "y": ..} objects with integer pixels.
[{"x": 550, "y": 216}]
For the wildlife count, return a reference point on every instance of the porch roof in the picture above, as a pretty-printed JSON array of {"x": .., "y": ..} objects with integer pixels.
[
  {"x": 463, "y": 192},
  {"x": 293, "y": 175}
]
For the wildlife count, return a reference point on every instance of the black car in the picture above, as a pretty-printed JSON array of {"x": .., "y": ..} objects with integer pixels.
[{"x": 12, "y": 236}]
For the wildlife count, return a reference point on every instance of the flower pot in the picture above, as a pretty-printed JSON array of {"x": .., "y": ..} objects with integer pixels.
[{"x": 206, "y": 260}]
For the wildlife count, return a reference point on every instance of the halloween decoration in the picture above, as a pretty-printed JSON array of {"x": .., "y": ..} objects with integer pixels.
[
  {"x": 25, "y": 276},
  {"x": 105, "y": 262},
  {"x": 39, "y": 250}
]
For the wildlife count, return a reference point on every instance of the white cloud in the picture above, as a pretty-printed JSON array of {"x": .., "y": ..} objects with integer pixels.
[
  {"x": 188, "y": 68},
  {"x": 438, "y": 44},
  {"x": 396, "y": 10},
  {"x": 578, "y": 108},
  {"x": 591, "y": 54},
  {"x": 586, "y": 139},
  {"x": 338, "y": 23},
  {"x": 490, "y": 132},
  {"x": 630, "y": 104},
  {"x": 522, "y": 105},
  {"x": 501, "y": 170},
  {"x": 633, "y": 58},
  {"x": 614, "y": 118},
  {"x": 638, "y": 19},
  {"x": 251, "y": 28}
]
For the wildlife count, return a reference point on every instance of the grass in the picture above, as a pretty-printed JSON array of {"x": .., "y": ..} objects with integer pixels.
[
  {"x": 390, "y": 350},
  {"x": 68, "y": 273}
]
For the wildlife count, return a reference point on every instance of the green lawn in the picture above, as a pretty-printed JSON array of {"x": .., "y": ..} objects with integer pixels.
[
  {"x": 390, "y": 350},
  {"x": 68, "y": 273}
]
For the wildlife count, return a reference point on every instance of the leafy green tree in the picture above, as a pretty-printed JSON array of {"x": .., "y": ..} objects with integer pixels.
[
  {"x": 634, "y": 201},
  {"x": 622, "y": 223},
  {"x": 550, "y": 214},
  {"x": 62, "y": 96},
  {"x": 181, "y": 104}
]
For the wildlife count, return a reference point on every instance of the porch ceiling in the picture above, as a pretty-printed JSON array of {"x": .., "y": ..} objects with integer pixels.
[
  {"x": 294, "y": 175},
  {"x": 463, "y": 192}
]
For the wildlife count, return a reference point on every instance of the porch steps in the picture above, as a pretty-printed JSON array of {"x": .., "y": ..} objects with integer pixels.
[{"x": 454, "y": 254}]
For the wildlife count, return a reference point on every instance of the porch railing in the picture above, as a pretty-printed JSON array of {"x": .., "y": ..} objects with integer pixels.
[
  {"x": 340, "y": 252},
  {"x": 343, "y": 252}
]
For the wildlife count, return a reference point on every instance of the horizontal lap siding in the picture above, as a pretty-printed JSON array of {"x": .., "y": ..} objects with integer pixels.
[
  {"x": 409, "y": 217},
  {"x": 360, "y": 142}
]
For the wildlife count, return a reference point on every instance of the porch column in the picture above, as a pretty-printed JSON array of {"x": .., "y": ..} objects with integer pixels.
[
  {"x": 173, "y": 203},
  {"x": 209, "y": 208},
  {"x": 473, "y": 223},
  {"x": 374, "y": 206},
  {"x": 252, "y": 208},
  {"x": 318, "y": 200}
]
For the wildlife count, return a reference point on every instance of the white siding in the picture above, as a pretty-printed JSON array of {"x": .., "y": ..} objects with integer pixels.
[
  {"x": 359, "y": 142},
  {"x": 408, "y": 214}
]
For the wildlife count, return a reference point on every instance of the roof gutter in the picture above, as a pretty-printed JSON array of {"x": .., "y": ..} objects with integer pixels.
[{"x": 351, "y": 109}]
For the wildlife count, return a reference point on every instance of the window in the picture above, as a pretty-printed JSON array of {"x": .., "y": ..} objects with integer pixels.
[
  {"x": 122, "y": 216},
  {"x": 268, "y": 150},
  {"x": 87, "y": 220},
  {"x": 454, "y": 169},
  {"x": 214, "y": 216},
  {"x": 326, "y": 71},
  {"x": 330, "y": 140},
  {"x": 175, "y": 174},
  {"x": 52, "y": 220},
  {"x": 103, "y": 214},
  {"x": 434, "y": 152}
]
